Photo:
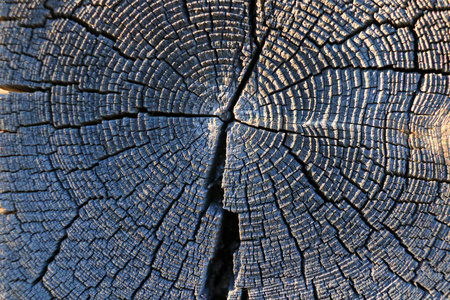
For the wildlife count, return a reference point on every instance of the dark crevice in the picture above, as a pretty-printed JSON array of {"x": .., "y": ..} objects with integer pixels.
[
  {"x": 414, "y": 70},
  {"x": 361, "y": 214},
  {"x": 5, "y": 212},
  {"x": 50, "y": 109},
  {"x": 281, "y": 130},
  {"x": 55, "y": 253},
  {"x": 247, "y": 74},
  {"x": 96, "y": 91},
  {"x": 36, "y": 124},
  {"x": 15, "y": 88},
  {"x": 211, "y": 19},
  {"x": 315, "y": 293},
  {"x": 252, "y": 20},
  {"x": 436, "y": 9},
  {"x": 213, "y": 182},
  {"x": 308, "y": 175},
  {"x": 214, "y": 179},
  {"x": 185, "y": 9},
  {"x": 168, "y": 208},
  {"x": 173, "y": 114},
  {"x": 220, "y": 275},
  {"x": 338, "y": 237},
  {"x": 422, "y": 288},
  {"x": 350, "y": 281},
  {"x": 91, "y": 30},
  {"x": 416, "y": 46},
  {"x": 359, "y": 30},
  {"x": 98, "y": 121},
  {"x": 9, "y": 19},
  {"x": 244, "y": 294},
  {"x": 58, "y": 83},
  {"x": 401, "y": 243},
  {"x": 123, "y": 115}
]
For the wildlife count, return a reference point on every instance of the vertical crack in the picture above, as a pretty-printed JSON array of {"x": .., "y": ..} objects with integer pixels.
[
  {"x": 252, "y": 21},
  {"x": 214, "y": 194},
  {"x": 220, "y": 275},
  {"x": 220, "y": 272},
  {"x": 254, "y": 60},
  {"x": 185, "y": 9},
  {"x": 55, "y": 252},
  {"x": 149, "y": 273},
  {"x": 308, "y": 175},
  {"x": 415, "y": 41},
  {"x": 244, "y": 295},
  {"x": 315, "y": 292},
  {"x": 248, "y": 72}
]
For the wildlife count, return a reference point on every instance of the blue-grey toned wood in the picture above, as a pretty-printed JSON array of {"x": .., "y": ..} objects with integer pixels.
[{"x": 213, "y": 149}]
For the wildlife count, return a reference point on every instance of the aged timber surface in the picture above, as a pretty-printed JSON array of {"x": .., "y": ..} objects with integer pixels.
[{"x": 224, "y": 149}]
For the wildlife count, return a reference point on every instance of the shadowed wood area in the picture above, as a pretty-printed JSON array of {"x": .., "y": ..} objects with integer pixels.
[{"x": 224, "y": 149}]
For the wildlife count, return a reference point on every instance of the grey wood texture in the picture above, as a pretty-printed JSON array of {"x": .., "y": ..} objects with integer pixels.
[{"x": 213, "y": 149}]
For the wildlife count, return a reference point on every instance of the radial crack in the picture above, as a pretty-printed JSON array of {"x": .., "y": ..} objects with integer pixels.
[
  {"x": 55, "y": 253},
  {"x": 213, "y": 184},
  {"x": 6, "y": 212},
  {"x": 133, "y": 115},
  {"x": 252, "y": 20},
  {"x": 141, "y": 284},
  {"x": 185, "y": 9},
  {"x": 15, "y": 88},
  {"x": 220, "y": 275},
  {"x": 244, "y": 295},
  {"x": 247, "y": 74}
]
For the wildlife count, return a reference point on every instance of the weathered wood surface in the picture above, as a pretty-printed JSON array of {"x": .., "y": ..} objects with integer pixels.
[{"x": 212, "y": 149}]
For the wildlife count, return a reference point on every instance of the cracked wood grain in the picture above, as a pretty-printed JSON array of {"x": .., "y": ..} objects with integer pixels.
[{"x": 224, "y": 149}]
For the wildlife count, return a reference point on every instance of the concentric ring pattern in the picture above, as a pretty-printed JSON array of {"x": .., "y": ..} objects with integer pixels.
[{"x": 212, "y": 149}]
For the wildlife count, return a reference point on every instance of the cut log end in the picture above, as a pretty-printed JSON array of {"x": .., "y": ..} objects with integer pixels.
[{"x": 224, "y": 150}]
